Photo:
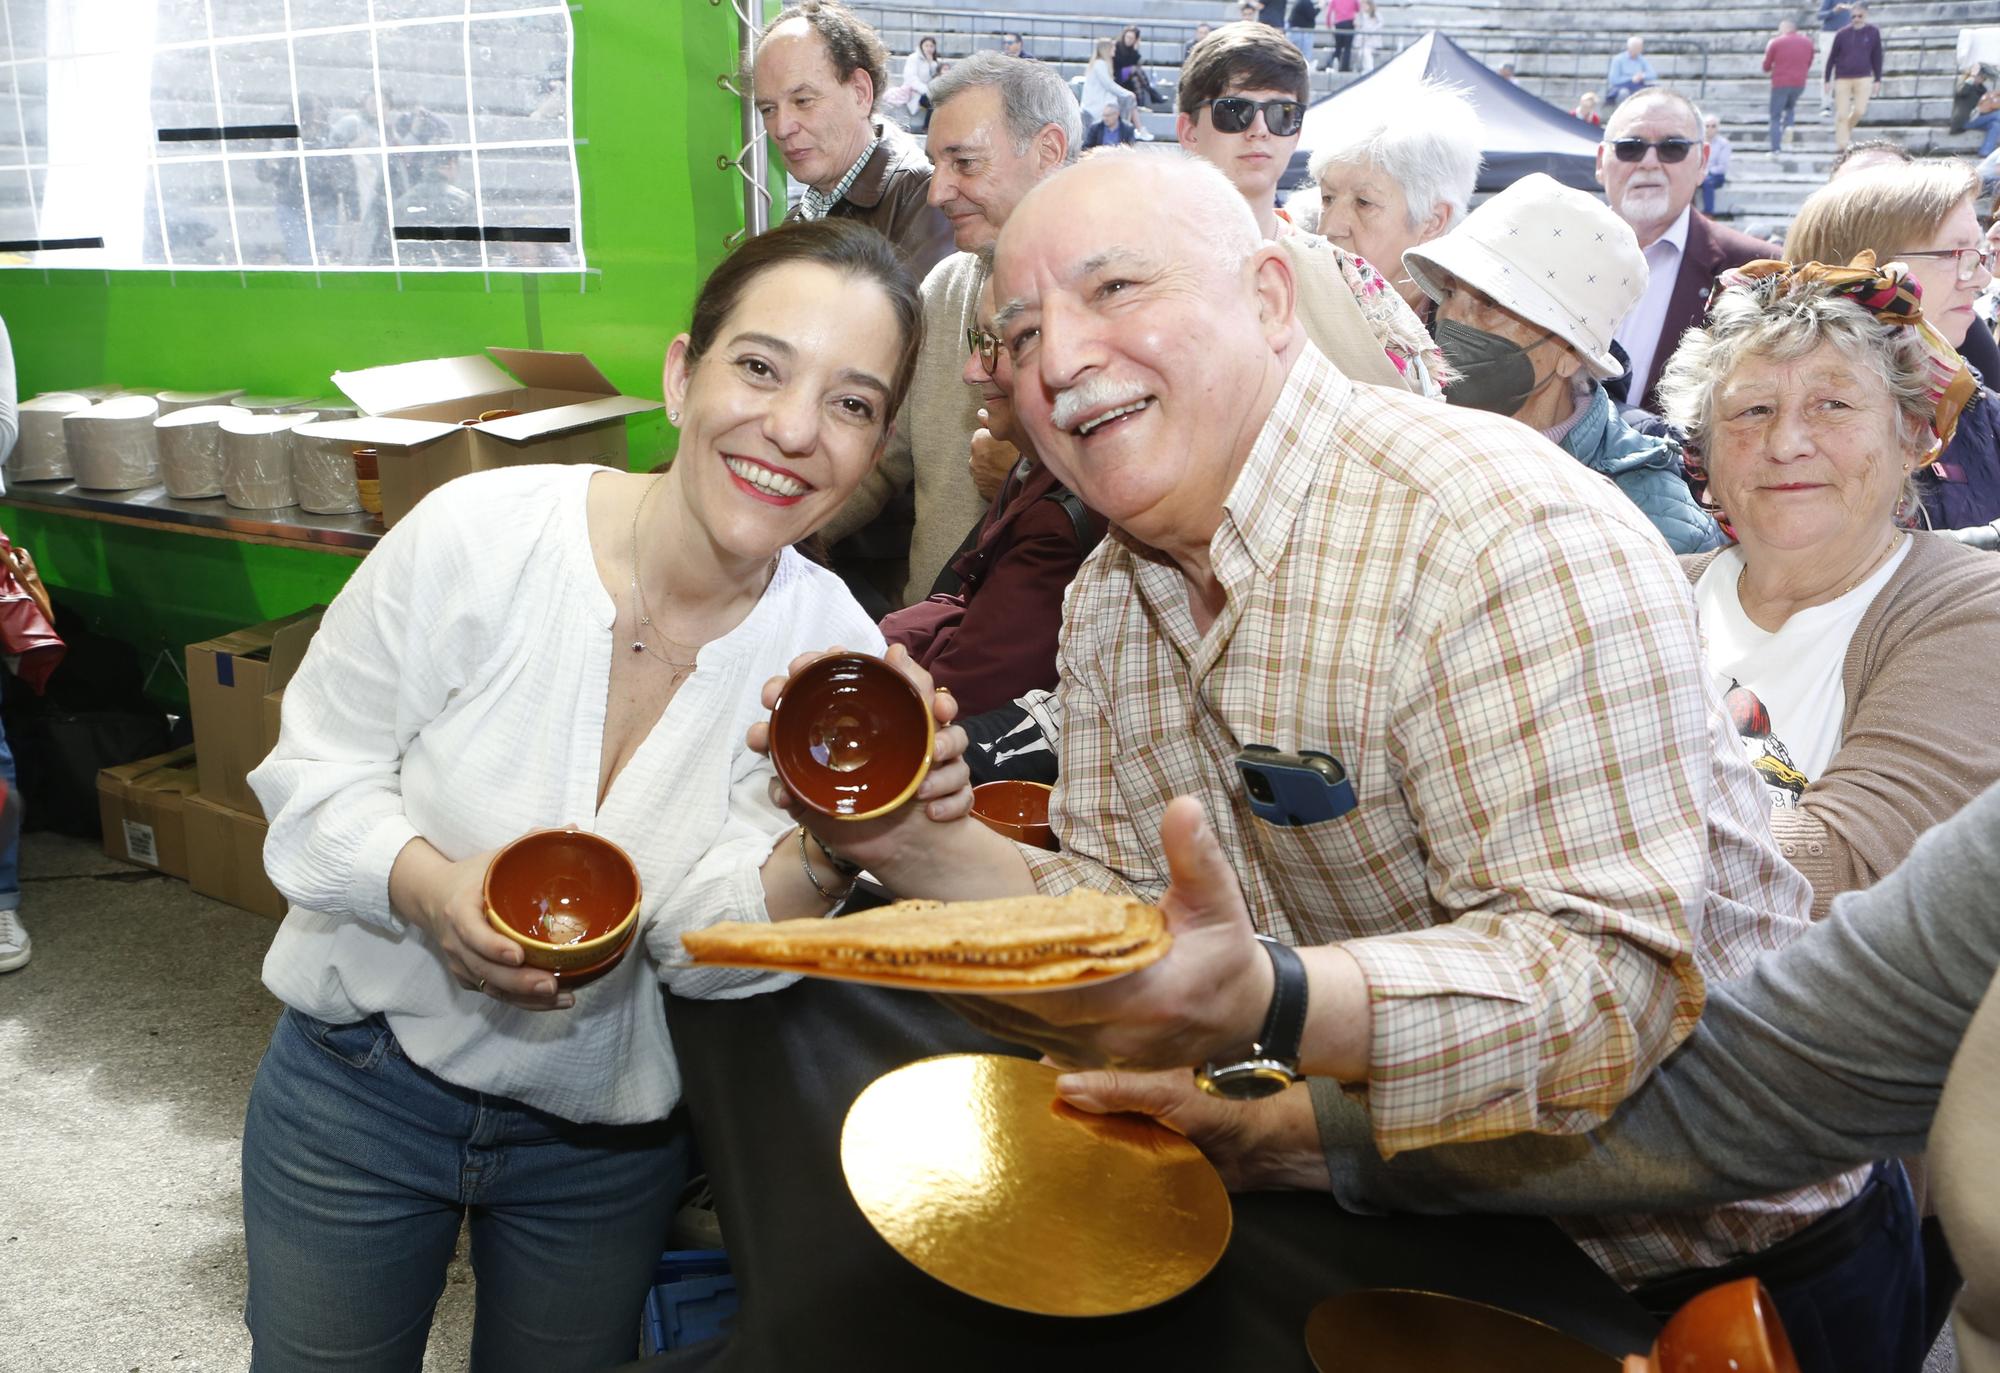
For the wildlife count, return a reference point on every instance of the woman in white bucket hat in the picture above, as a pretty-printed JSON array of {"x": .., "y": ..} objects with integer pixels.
[{"x": 1529, "y": 288}]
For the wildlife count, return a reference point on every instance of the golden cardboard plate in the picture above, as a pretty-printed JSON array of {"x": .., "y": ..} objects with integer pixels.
[
  {"x": 904, "y": 983},
  {"x": 973, "y": 1169},
  {"x": 1390, "y": 1330}
]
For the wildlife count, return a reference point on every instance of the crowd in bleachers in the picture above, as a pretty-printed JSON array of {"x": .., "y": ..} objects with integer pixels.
[{"x": 1634, "y": 573}]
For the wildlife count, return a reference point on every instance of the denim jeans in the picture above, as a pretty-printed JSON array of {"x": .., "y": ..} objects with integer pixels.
[
  {"x": 1710, "y": 184},
  {"x": 357, "y": 1167},
  {"x": 1990, "y": 122},
  {"x": 1784, "y": 112}
]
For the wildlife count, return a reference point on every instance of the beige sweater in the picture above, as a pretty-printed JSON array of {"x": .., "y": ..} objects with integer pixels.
[
  {"x": 933, "y": 436},
  {"x": 1920, "y": 729}
]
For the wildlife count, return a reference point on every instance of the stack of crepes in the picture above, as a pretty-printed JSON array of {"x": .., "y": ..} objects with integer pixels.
[{"x": 1041, "y": 940}]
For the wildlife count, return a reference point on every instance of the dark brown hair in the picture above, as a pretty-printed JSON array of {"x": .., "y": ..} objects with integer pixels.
[
  {"x": 844, "y": 245},
  {"x": 1249, "y": 56},
  {"x": 850, "y": 44}
]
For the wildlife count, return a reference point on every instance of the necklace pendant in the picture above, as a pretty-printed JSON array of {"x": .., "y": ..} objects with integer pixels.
[{"x": 638, "y": 648}]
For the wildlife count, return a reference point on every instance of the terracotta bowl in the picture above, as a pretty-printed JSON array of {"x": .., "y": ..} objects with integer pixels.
[
  {"x": 568, "y": 898},
  {"x": 1733, "y": 1328},
  {"x": 1019, "y": 810},
  {"x": 851, "y": 737}
]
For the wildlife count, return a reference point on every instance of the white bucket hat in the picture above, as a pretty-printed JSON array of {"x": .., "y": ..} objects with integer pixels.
[{"x": 1558, "y": 258}]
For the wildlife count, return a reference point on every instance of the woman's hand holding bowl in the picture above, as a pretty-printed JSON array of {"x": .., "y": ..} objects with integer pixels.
[
  {"x": 450, "y": 907},
  {"x": 944, "y": 795}
]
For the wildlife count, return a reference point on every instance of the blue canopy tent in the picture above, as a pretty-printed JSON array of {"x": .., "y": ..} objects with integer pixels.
[{"x": 1523, "y": 134}]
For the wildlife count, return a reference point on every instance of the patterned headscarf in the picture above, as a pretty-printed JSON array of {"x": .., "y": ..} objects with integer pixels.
[{"x": 1890, "y": 294}]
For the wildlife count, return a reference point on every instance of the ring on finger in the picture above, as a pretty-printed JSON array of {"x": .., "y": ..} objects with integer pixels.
[{"x": 482, "y": 985}]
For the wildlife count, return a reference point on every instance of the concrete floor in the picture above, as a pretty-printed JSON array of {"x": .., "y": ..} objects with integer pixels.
[{"x": 127, "y": 1046}]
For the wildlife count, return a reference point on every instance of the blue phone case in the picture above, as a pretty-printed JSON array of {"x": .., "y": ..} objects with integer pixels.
[{"x": 1293, "y": 789}]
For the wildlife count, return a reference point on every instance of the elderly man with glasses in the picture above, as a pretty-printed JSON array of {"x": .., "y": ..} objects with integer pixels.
[{"x": 1651, "y": 163}]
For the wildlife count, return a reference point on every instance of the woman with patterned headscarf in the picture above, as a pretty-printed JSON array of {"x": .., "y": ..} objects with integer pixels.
[{"x": 1855, "y": 654}]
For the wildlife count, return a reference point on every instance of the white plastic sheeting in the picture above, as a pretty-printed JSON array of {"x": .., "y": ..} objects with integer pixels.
[
  {"x": 113, "y": 446},
  {"x": 191, "y": 451},
  {"x": 257, "y": 460}
]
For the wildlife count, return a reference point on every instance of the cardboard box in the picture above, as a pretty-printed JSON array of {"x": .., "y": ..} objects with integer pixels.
[
  {"x": 226, "y": 858},
  {"x": 414, "y": 412},
  {"x": 143, "y": 807},
  {"x": 274, "y": 717},
  {"x": 228, "y": 678}
]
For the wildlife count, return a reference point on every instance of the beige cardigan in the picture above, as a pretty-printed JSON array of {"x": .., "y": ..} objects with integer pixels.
[{"x": 1920, "y": 732}]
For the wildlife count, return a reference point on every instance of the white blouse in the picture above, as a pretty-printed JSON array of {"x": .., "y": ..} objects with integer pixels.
[{"x": 456, "y": 690}]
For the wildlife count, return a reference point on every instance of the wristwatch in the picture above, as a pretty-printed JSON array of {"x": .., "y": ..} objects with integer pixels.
[{"x": 1272, "y": 1063}]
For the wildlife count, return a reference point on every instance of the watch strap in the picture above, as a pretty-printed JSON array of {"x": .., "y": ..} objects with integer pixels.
[{"x": 1285, "y": 1023}]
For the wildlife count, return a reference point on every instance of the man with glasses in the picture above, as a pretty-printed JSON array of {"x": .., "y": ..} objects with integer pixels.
[
  {"x": 999, "y": 125},
  {"x": 1242, "y": 99},
  {"x": 1652, "y": 161},
  {"x": 988, "y": 631}
]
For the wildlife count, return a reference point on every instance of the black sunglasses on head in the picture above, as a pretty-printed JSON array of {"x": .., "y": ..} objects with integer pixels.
[
  {"x": 1671, "y": 150},
  {"x": 1235, "y": 113}
]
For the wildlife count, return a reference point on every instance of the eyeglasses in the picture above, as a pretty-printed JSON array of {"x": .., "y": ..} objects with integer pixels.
[
  {"x": 1671, "y": 150},
  {"x": 1235, "y": 113},
  {"x": 1970, "y": 260},
  {"x": 984, "y": 346}
]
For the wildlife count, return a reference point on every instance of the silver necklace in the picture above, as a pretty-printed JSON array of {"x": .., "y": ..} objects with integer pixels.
[
  {"x": 681, "y": 666},
  {"x": 643, "y": 617}
]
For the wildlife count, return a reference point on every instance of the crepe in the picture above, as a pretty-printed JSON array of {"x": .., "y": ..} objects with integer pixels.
[{"x": 1042, "y": 939}]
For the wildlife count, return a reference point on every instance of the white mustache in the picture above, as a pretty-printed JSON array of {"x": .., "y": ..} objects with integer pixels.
[{"x": 1091, "y": 394}]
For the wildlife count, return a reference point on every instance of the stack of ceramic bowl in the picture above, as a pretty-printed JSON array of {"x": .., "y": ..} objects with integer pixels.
[
  {"x": 171, "y": 401},
  {"x": 39, "y": 454},
  {"x": 191, "y": 451},
  {"x": 269, "y": 405},
  {"x": 112, "y": 445},
  {"x": 323, "y": 469},
  {"x": 257, "y": 460}
]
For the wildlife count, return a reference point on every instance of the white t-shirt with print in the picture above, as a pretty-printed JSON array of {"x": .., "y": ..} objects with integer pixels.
[{"x": 1783, "y": 688}]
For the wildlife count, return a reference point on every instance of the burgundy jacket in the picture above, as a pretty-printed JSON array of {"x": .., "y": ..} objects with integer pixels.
[
  {"x": 1711, "y": 249},
  {"x": 1012, "y": 577}
]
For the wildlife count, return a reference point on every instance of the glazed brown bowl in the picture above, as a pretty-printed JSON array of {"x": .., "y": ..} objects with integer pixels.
[
  {"x": 1019, "y": 810},
  {"x": 851, "y": 737},
  {"x": 1733, "y": 1328},
  {"x": 568, "y": 898}
]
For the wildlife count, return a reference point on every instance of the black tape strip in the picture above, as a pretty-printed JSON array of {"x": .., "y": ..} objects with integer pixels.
[
  {"x": 47, "y": 245},
  {"x": 472, "y": 233},
  {"x": 223, "y": 134}
]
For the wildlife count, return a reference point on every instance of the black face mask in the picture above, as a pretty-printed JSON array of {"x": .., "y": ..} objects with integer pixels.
[{"x": 1494, "y": 373}]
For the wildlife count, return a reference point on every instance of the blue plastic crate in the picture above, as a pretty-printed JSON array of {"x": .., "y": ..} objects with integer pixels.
[{"x": 693, "y": 1298}]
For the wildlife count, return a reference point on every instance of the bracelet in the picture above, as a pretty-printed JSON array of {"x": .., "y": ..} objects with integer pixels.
[{"x": 805, "y": 861}]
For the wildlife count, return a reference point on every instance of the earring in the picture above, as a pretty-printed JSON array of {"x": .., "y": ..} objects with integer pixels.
[{"x": 673, "y": 417}]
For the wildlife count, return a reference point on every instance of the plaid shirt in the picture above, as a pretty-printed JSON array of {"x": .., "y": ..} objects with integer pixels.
[{"x": 1557, "y": 836}]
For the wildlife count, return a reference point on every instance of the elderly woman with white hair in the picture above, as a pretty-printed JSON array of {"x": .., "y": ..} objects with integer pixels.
[
  {"x": 1399, "y": 177},
  {"x": 1529, "y": 289}
]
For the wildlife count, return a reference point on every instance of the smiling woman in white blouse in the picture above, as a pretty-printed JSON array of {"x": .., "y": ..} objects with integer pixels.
[{"x": 530, "y": 648}]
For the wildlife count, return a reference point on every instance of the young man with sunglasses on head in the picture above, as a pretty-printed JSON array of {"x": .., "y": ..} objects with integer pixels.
[
  {"x": 1242, "y": 99},
  {"x": 1652, "y": 161}
]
